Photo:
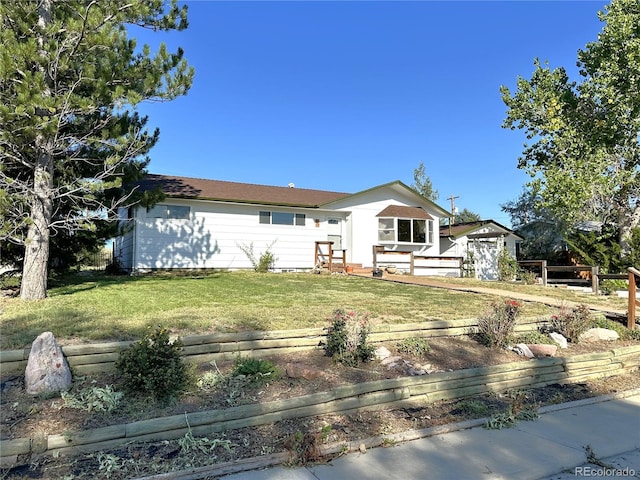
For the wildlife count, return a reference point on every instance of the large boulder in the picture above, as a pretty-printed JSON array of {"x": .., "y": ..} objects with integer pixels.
[
  {"x": 47, "y": 370},
  {"x": 599, "y": 334},
  {"x": 559, "y": 339},
  {"x": 541, "y": 350}
]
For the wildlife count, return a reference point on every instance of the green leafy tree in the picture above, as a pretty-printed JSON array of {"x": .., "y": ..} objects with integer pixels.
[
  {"x": 70, "y": 138},
  {"x": 466, "y": 216},
  {"x": 422, "y": 184},
  {"x": 584, "y": 155},
  {"x": 542, "y": 232}
]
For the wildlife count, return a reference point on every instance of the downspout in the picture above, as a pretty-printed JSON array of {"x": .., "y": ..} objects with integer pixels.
[{"x": 134, "y": 247}]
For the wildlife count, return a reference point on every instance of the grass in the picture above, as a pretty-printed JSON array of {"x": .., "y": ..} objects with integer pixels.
[
  {"x": 558, "y": 292},
  {"x": 98, "y": 307}
]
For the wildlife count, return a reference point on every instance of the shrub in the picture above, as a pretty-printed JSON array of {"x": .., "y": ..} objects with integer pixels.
[
  {"x": 253, "y": 367},
  {"x": 347, "y": 338},
  {"x": 94, "y": 399},
  {"x": 417, "y": 346},
  {"x": 507, "y": 266},
  {"x": 608, "y": 286},
  {"x": 534, "y": 337},
  {"x": 496, "y": 327},
  {"x": 153, "y": 366},
  {"x": 266, "y": 261},
  {"x": 571, "y": 322},
  {"x": 472, "y": 407},
  {"x": 623, "y": 332},
  {"x": 527, "y": 277}
]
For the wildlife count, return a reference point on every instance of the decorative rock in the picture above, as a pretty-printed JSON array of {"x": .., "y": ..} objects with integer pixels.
[
  {"x": 47, "y": 370},
  {"x": 523, "y": 349},
  {"x": 597, "y": 334},
  {"x": 382, "y": 352},
  {"x": 541, "y": 350},
  {"x": 391, "y": 360},
  {"x": 299, "y": 370},
  {"x": 416, "y": 371},
  {"x": 559, "y": 339}
]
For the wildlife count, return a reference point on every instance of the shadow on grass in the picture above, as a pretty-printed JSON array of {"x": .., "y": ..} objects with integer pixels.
[{"x": 69, "y": 284}]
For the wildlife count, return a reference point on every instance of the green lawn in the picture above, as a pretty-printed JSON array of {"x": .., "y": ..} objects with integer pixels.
[
  {"x": 558, "y": 292},
  {"x": 86, "y": 308}
]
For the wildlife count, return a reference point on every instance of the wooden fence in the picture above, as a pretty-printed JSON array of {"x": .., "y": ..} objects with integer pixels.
[
  {"x": 412, "y": 263},
  {"x": 397, "y": 393},
  {"x": 634, "y": 276},
  {"x": 101, "y": 357}
]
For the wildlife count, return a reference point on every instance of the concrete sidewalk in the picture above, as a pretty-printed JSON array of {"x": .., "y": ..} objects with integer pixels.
[{"x": 554, "y": 447}]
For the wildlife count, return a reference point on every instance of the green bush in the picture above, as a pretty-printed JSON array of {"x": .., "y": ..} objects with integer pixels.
[
  {"x": 416, "y": 346},
  {"x": 496, "y": 327},
  {"x": 253, "y": 367},
  {"x": 153, "y": 366},
  {"x": 266, "y": 261},
  {"x": 507, "y": 266},
  {"x": 527, "y": 277},
  {"x": 347, "y": 338},
  {"x": 534, "y": 337},
  {"x": 571, "y": 322},
  {"x": 608, "y": 286},
  {"x": 472, "y": 407},
  {"x": 623, "y": 332}
]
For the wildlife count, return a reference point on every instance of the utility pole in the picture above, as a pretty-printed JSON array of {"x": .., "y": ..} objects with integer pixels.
[{"x": 453, "y": 212}]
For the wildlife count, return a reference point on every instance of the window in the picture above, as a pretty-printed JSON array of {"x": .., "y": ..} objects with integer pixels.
[
  {"x": 282, "y": 218},
  {"x": 166, "y": 212},
  {"x": 386, "y": 230},
  {"x": 405, "y": 230}
]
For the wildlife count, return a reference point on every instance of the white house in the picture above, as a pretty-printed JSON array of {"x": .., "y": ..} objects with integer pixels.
[
  {"x": 210, "y": 224},
  {"x": 480, "y": 244}
]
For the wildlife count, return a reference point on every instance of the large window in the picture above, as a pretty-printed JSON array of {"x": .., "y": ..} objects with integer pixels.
[
  {"x": 283, "y": 218},
  {"x": 405, "y": 230},
  {"x": 166, "y": 212}
]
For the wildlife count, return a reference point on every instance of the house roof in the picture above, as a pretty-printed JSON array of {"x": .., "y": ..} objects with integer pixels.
[
  {"x": 401, "y": 187},
  {"x": 404, "y": 212},
  {"x": 197, "y": 188},
  {"x": 467, "y": 228}
]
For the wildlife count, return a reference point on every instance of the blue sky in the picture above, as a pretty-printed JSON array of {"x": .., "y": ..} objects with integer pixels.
[{"x": 344, "y": 96}]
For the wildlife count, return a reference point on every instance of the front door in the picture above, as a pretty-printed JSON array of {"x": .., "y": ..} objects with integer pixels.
[{"x": 334, "y": 232}]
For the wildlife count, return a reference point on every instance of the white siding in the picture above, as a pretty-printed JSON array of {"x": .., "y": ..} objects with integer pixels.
[
  {"x": 215, "y": 232},
  {"x": 485, "y": 250},
  {"x": 124, "y": 245},
  {"x": 363, "y": 222}
]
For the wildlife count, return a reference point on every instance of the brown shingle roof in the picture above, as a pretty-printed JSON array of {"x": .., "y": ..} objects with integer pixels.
[
  {"x": 404, "y": 212},
  {"x": 465, "y": 228},
  {"x": 185, "y": 187}
]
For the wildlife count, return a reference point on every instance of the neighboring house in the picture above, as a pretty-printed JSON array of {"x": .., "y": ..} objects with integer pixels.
[
  {"x": 210, "y": 224},
  {"x": 480, "y": 244}
]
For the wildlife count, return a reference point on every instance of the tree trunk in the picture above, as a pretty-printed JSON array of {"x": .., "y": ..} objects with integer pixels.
[{"x": 36, "y": 254}]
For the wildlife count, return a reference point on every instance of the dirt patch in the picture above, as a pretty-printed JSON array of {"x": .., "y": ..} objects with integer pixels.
[{"x": 23, "y": 416}]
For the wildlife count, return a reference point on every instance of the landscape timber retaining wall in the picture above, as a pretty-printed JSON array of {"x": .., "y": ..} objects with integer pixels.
[
  {"x": 99, "y": 358},
  {"x": 398, "y": 392}
]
